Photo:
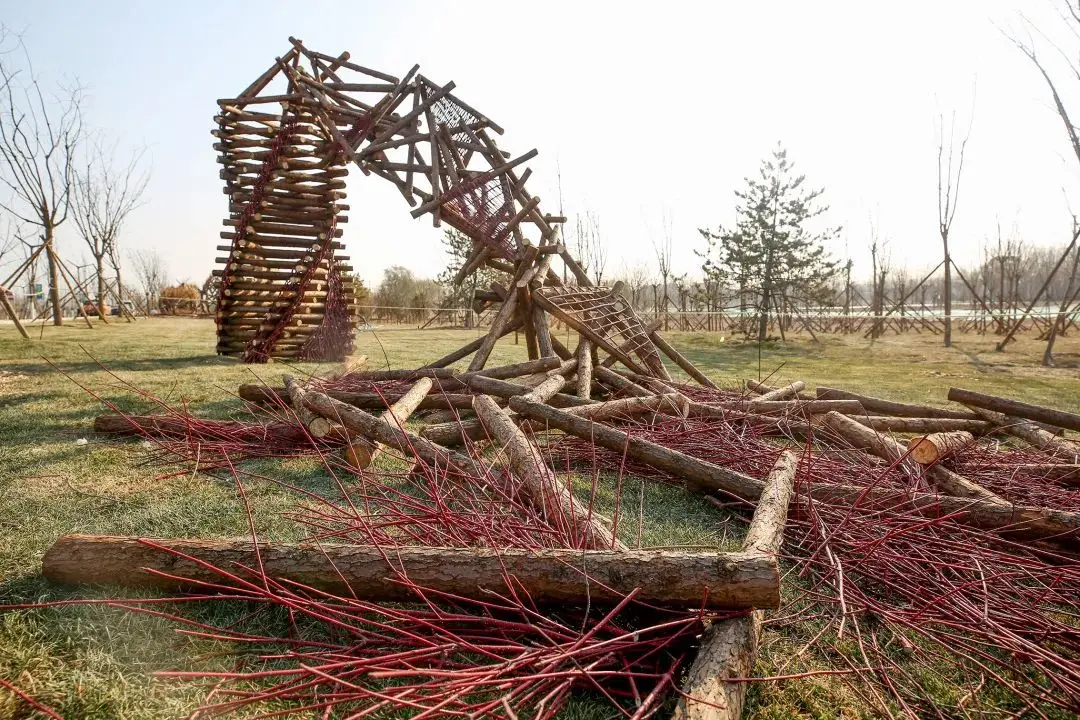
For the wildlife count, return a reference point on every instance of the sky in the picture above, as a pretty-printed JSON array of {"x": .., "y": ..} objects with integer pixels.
[{"x": 638, "y": 110}]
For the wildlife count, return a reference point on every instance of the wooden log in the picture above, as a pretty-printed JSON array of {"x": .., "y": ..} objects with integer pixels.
[
  {"x": 889, "y": 450},
  {"x": 456, "y": 432},
  {"x": 583, "y": 355},
  {"x": 1032, "y": 434},
  {"x": 729, "y": 648},
  {"x": 765, "y": 407},
  {"x": 406, "y": 375},
  {"x": 621, "y": 384},
  {"x": 544, "y": 489},
  {"x": 680, "y": 579},
  {"x": 253, "y": 392},
  {"x": 922, "y": 426},
  {"x": 529, "y": 367},
  {"x": 1015, "y": 408},
  {"x": 895, "y": 409},
  {"x": 698, "y": 474},
  {"x": 688, "y": 367},
  {"x": 377, "y": 430},
  {"x": 786, "y": 392},
  {"x": 317, "y": 426},
  {"x": 504, "y": 389},
  {"x": 932, "y": 448},
  {"x": 164, "y": 425},
  {"x": 361, "y": 453}
]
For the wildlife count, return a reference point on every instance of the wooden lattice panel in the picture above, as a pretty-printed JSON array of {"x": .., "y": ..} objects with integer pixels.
[{"x": 607, "y": 319}]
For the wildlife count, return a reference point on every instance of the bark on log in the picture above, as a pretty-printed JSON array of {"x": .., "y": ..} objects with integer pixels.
[
  {"x": 584, "y": 369},
  {"x": 786, "y": 392},
  {"x": 529, "y": 367},
  {"x": 891, "y": 451},
  {"x": 160, "y": 425},
  {"x": 1015, "y": 408},
  {"x": 614, "y": 380},
  {"x": 765, "y": 407},
  {"x": 317, "y": 426},
  {"x": 457, "y": 432},
  {"x": 1032, "y": 434},
  {"x": 364, "y": 400},
  {"x": 698, "y": 474},
  {"x": 1067, "y": 474},
  {"x": 376, "y": 430},
  {"x": 543, "y": 487},
  {"x": 923, "y": 426},
  {"x": 932, "y": 448},
  {"x": 503, "y": 389},
  {"x": 454, "y": 433},
  {"x": 688, "y": 367},
  {"x": 360, "y": 453},
  {"x": 761, "y": 389},
  {"x": 719, "y": 580},
  {"x": 895, "y": 409},
  {"x": 729, "y": 648}
]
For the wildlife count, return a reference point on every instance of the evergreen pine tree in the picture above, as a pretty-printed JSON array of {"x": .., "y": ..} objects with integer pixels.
[{"x": 772, "y": 254}]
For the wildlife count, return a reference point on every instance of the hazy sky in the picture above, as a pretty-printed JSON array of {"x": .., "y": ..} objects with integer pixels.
[{"x": 644, "y": 107}]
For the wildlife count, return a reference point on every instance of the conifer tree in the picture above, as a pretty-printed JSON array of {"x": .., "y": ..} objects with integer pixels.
[{"x": 772, "y": 254}]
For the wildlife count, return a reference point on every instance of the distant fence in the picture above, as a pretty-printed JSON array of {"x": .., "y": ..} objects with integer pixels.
[{"x": 734, "y": 321}]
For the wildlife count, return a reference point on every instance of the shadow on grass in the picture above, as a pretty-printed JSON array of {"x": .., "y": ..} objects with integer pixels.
[{"x": 124, "y": 365}]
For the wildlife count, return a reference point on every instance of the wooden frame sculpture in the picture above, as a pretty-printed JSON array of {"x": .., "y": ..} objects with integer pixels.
[{"x": 284, "y": 288}]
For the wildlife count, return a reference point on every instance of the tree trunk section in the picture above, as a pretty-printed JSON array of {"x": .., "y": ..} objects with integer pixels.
[
  {"x": 679, "y": 579},
  {"x": 54, "y": 278},
  {"x": 935, "y": 447}
]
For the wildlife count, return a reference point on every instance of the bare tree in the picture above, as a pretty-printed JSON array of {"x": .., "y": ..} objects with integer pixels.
[
  {"x": 589, "y": 247},
  {"x": 38, "y": 139},
  {"x": 948, "y": 194},
  {"x": 663, "y": 263},
  {"x": 1071, "y": 18},
  {"x": 103, "y": 197},
  {"x": 152, "y": 275},
  {"x": 880, "y": 265}
]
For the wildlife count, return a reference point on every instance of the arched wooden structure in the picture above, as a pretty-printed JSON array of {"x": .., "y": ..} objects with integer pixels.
[{"x": 286, "y": 143}]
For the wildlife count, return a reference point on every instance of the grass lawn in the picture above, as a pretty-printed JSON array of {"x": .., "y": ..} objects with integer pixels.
[{"x": 94, "y": 662}]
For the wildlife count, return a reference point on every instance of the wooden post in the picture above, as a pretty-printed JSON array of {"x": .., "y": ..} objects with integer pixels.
[
  {"x": 681, "y": 579},
  {"x": 729, "y": 648},
  {"x": 895, "y": 409},
  {"x": 687, "y": 366}
]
